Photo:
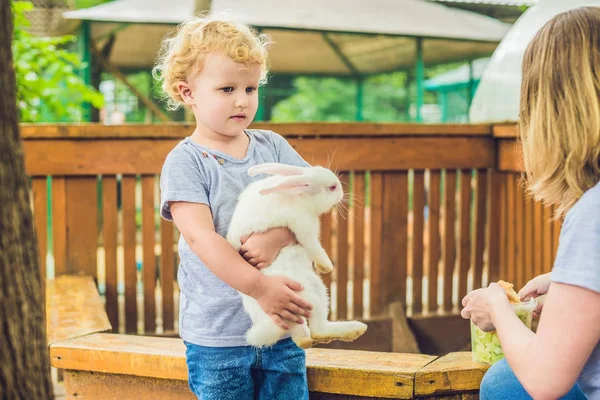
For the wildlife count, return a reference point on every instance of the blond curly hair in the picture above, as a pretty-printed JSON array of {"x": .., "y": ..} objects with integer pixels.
[
  {"x": 182, "y": 55},
  {"x": 560, "y": 108}
]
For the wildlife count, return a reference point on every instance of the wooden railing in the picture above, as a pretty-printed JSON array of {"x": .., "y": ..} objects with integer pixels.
[{"x": 435, "y": 210}]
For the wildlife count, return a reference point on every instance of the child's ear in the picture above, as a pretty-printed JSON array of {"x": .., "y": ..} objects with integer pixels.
[{"x": 185, "y": 92}]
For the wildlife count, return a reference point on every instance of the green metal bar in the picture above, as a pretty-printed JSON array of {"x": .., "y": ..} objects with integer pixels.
[
  {"x": 471, "y": 84},
  {"x": 86, "y": 72},
  {"x": 420, "y": 79},
  {"x": 336, "y": 49},
  {"x": 260, "y": 112},
  {"x": 359, "y": 99}
]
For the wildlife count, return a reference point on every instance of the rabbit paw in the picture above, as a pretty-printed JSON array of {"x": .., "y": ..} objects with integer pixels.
[{"x": 324, "y": 268}]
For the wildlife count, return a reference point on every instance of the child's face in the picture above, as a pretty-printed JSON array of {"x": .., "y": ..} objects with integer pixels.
[{"x": 223, "y": 96}]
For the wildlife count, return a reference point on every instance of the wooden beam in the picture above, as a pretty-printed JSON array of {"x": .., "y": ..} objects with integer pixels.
[
  {"x": 455, "y": 372},
  {"x": 320, "y": 129},
  {"x": 509, "y": 155},
  {"x": 145, "y": 156}
]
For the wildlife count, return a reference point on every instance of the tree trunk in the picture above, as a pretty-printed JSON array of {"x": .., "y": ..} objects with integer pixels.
[{"x": 24, "y": 361}]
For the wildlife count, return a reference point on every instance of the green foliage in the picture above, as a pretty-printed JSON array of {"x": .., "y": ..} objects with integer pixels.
[{"x": 49, "y": 87}]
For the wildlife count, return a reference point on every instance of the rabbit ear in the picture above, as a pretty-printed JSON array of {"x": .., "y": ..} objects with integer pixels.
[
  {"x": 292, "y": 185},
  {"x": 275, "y": 169}
]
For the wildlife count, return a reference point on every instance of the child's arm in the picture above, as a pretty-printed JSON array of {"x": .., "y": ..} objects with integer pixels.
[
  {"x": 276, "y": 295},
  {"x": 261, "y": 249}
]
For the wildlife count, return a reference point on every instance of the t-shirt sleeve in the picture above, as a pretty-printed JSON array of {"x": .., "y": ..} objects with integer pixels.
[
  {"x": 286, "y": 153},
  {"x": 181, "y": 179},
  {"x": 578, "y": 256}
]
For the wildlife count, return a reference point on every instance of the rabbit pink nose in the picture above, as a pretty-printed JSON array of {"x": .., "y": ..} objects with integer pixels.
[{"x": 332, "y": 188}]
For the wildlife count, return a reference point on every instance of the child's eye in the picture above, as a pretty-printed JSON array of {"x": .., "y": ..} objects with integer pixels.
[
  {"x": 227, "y": 89},
  {"x": 250, "y": 89}
]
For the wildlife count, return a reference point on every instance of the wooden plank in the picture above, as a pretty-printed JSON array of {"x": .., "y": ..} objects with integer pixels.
[
  {"x": 395, "y": 237},
  {"x": 417, "y": 240},
  {"x": 434, "y": 240},
  {"x": 465, "y": 232},
  {"x": 59, "y": 225},
  {"x": 145, "y": 156},
  {"x": 167, "y": 274},
  {"x": 519, "y": 235},
  {"x": 179, "y": 130},
  {"x": 505, "y": 131},
  {"x": 40, "y": 215},
  {"x": 129, "y": 242},
  {"x": 547, "y": 240},
  {"x": 109, "y": 234},
  {"x": 495, "y": 237},
  {"x": 503, "y": 236},
  {"x": 449, "y": 252},
  {"x": 528, "y": 239},
  {"x": 509, "y": 156},
  {"x": 349, "y": 372},
  {"x": 149, "y": 258},
  {"x": 538, "y": 223},
  {"x": 342, "y": 255},
  {"x": 73, "y": 308},
  {"x": 510, "y": 228},
  {"x": 480, "y": 223},
  {"x": 375, "y": 244},
  {"x": 359, "y": 244},
  {"x": 455, "y": 372},
  {"x": 326, "y": 233},
  {"x": 98, "y": 386},
  {"x": 82, "y": 225}
]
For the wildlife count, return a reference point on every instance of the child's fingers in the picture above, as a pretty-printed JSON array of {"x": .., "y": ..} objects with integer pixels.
[
  {"x": 288, "y": 316},
  {"x": 297, "y": 310},
  {"x": 300, "y": 302},
  {"x": 295, "y": 286},
  {"x": 279, "y": 322}
]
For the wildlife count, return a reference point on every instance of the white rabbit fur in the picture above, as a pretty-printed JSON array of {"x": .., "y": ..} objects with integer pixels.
[{"x": 294, "y": 197}]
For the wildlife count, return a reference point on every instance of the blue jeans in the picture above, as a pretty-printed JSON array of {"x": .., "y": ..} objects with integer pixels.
[
  {"x": 500, "y": 383},
  {"x": 245, "y": 373}
]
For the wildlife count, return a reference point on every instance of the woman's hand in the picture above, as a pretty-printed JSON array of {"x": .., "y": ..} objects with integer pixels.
[
  {"x": 479, "y": 303},
  {"x": 536, "y": 287},
  {"x": 261, "y": 249}
]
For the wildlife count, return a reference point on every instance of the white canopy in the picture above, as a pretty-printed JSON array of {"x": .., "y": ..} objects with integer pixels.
[
  {"x": 497, "y": 96},
  {"x": 334, "y": 37}
]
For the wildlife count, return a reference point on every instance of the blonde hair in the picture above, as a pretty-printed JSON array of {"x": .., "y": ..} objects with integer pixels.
[
  {"x": 182, "y": 56},
  {"x": 560, "y": 109}
]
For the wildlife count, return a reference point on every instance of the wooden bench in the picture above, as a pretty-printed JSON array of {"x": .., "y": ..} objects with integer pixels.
[{"x": 101, "y": 365}]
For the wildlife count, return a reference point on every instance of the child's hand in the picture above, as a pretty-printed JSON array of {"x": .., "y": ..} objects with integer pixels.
[
  {"x": 277, "y": 296},
  {"x": 261, "y": 249}
]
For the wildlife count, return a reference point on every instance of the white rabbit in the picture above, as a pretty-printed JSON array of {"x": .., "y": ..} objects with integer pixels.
[{"x": 294, "y": 198}]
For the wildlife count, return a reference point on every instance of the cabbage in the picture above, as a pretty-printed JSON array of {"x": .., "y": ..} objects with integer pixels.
[{"x": 486, "y": 346}]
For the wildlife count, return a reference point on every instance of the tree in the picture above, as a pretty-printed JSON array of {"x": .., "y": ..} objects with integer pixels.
[
  {"x": 24, "y": 361},
  {"x": 49, "y": 87}
]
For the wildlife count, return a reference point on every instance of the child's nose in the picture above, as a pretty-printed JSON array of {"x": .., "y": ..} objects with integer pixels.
[{"x": 241, "y": 101}]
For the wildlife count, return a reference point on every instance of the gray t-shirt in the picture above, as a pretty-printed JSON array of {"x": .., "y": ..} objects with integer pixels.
[
  {"x": 210, "y": 311},
  {"x": 578, "y": 263}
]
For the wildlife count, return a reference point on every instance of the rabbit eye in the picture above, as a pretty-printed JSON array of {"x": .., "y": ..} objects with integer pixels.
[{"x": 332, "y": 187}]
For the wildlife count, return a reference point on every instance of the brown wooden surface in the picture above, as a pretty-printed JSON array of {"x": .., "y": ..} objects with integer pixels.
[
  {"x": 376, "y": 238},
  {"x": 341, "y": 268},
  {"x": 509, "y": 156},
  {"x": 510, "y": 228},
  {"x": 378, "y": 374},
  {"x": 99, "y": 386},
  {"x": 479, "y": 235},
  {"x": 464, "y": 250},
  {"x": 167, "y": 273},
  {"x": 129, "y": 242},
  {"x": 73, "y": 308},
  {"x": 82, "y": 225},
  {"x": 146, "y": 156},
  {"x": 440, "y": 334},
  {"x": 40, "y": 215},
  {"x": 358, "y": 212},
  {"x": 505, "y": 131},
  {"x": 149, "y": 258},
  {"x": 59, "y": 224},
  {"x": 109, "y": 236},
  {"x": 181, "y": 130},
  {"x": 417, "y": 240},
  {"x": 450, "y": 373},
  {"x": 449, "y": 252},
  {"x": 433, "y": 228},
  {"x": 326, "y": 236}
]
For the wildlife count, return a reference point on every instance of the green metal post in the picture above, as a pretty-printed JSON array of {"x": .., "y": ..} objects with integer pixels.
[
  {"x": 260, "y": 112},
  {"x": 471, "y": 84},
  {"x": 359, "y": 99},
  {"x": 420, "y": 79},
  {"x": 86, "y": 72}
]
